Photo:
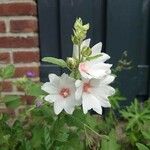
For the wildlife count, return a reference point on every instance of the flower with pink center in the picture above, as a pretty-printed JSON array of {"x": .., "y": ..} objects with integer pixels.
[
  {"x": 96, "y": 50},
  {"x": 95, "y": 68},
  {"x": 61, "y": 92},
  {"x": 94, "y": 93}
]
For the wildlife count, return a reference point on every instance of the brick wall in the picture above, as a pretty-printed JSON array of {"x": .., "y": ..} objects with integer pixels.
[{"x": 19, "y": 39}]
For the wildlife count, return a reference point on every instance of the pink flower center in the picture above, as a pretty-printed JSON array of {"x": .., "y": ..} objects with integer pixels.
[
  {"x": 86, "y": 87},
  {"x": 65, "y": 92},
  {"x": 83, "y": 67}
]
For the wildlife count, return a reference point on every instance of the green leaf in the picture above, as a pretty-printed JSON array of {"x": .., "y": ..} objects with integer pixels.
[
  {"x": 47, "y": 140},
  {"x": 136, "y": 114},
  {"x": 78, "y": 119},
  {"x": 26, "y": 145},
  {"x": 141, "y": 146},
  {"x": 62, "y": 137},
  {"x": 35, "y": 90},
  {"x": 7, "y": 72},
  {"x": 111, "y": 143},
  {"x": 116, "y": 99},
  {"x": 146, "y": 134},
  {"x": 56, "y": 61},
  {"x": 12, "y": 101}
]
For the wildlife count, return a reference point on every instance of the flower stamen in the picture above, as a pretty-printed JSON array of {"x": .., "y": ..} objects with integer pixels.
[
  {"x": 65, "y": 92},
  {"x": 86, "y": 87}
]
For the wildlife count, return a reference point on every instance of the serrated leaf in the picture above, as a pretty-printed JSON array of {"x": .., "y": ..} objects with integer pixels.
[
  {"x": 56, "y": 61},
  {"x": 146, "y": 134},
  {"x": 47, "y": 140},
  {"x": 77, "y": 119},
  {"x": 111, "y": 143},
  {"x": 26, "y": 145},
  {"x": 12, "y": 101},
  {"x": 35, "y": 90},
  {"x": 7, "y": 72},
  {"x": 141, "y": 146},
  {"x": 62, "y": 137}
]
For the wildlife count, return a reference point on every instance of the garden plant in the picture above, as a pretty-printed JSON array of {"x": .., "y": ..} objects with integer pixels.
[{"x": 78, "y": 110}]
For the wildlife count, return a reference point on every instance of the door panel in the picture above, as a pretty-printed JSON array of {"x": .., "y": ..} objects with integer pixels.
[{"x": 120, "y": 25}]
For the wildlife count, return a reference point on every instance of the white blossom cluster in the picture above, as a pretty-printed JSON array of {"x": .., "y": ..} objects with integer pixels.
[{"x": 91, "y": 90}]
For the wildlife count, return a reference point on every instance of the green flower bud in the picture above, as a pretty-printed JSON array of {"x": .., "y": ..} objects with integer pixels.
[
  {"x": 71, "y": 62},
  {"x": 79, "y": 31},
  {"x": 86, "y": 51}
]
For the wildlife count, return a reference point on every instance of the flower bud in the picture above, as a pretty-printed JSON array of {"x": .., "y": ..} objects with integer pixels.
[
  {"x": 71, "y": 62},
  {"x": 79, "y": 31},
  {"x": 86, "y": 51}
]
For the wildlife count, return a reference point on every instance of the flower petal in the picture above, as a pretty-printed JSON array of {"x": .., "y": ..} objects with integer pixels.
[
  {"x": 54, "y": 78},
  {"x": 96, "y": 49},
  {"x": 108, "y": 79},
  {"x": 102, "y": 58},
  {"x": 98, "y": 110},
  {"x": 85, "y": 43},
  {"x": 79, "y": 89},
  {"x": 51, "y": 98},
  {"x": 69, "y": 110},
  {"x": 75, "y": 51},
  {"x": 58, "y": 106},
  {"x": 49, "y": 88},
  {"x": 89, "y": 102}
]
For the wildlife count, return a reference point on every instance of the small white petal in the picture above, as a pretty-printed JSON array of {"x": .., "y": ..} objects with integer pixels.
[
  {"x": 85, "y": 43},
  {"x": 108, "y": 79},
  {"x": 78, "y": 92},
  {"x": 75, "y": 51},
  {"x": 103, "y": 100},
  {"x": 58, "y": 106},
  {"x": 69, "y": 110},
  {"x": 49, "y": 88},
  {"x": 102, "y": 58},
  {"x": 96, "y": 49},
  {"x": 89, "y": 102},
  {"x": 78, "y": 83},
  {"x": 98, "y": 110},
  {"x": 54, "y": 79},
  {"x": 51, "y": 98}
]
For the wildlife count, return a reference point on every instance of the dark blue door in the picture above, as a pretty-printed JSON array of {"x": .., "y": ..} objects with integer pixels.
[{"x": 120, "y": 25}]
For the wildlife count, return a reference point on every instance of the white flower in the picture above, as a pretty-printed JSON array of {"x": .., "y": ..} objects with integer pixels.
[
  {"x": 95, "y": 68},
  {"x": 94, "y": 93},
  {"x": 62, "y": 92},
  {"x": 96, "y": 50}
]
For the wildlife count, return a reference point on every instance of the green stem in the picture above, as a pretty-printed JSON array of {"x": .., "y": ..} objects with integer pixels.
[
  {"x": 85, "y": 125},
  {"x": 79, "y": 46},
  {"x": 99, "y": 135}
]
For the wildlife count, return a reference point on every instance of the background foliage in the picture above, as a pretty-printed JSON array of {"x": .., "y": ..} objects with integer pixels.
[{"x": 37, "y": 127}]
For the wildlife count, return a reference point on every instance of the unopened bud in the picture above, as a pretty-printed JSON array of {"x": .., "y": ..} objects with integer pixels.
[
  {"x": 86, "y": 51},
  {"x": 71, "y": 62}
]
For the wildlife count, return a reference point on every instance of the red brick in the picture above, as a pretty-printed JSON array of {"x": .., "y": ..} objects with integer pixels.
[
  {"x": 2, "y": 27},
  {"x": 4, "y": 57},
  {"x": 23, "y": 26},
  {"x": 28, "y": 99},
  {"x": 25, "y": 57},
  {"x": 18, "y": 42},
  {"x": 22, "y": 71},
  {"x": 18, "y": 9},
  {"x": 7, "y": 111},
  {"x": 6, "y": 86}
]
